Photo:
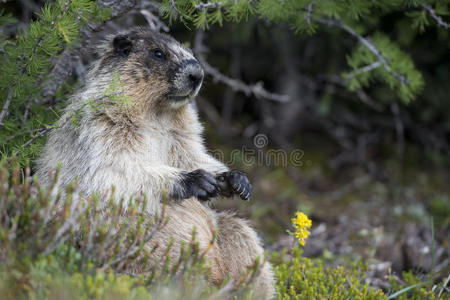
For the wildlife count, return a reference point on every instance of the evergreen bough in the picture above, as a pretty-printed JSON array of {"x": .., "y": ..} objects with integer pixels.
[{"x": 26, "y": 64}]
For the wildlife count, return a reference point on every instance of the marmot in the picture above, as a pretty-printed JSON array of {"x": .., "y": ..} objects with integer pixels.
[{"x": 150, "y": 143}]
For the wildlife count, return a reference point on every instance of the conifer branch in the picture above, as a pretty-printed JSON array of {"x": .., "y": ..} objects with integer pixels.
[
  {"x": 36, "y": 47},
  {"x": 39, "y": 40},
  {"x": 63, "y": 66},
  {"x": 437, "y": 18},
  {"x": 368, "y": 44},
  {"x": 256, "y": 90},
  {"x": 118, "y": 9}
]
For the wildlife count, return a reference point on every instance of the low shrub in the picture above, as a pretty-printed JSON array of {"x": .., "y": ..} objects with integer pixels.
[{"x": 55, "y": 247}]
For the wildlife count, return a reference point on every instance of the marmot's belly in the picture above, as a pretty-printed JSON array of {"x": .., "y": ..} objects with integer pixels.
[
  {"x": 190, "y": 215},
  {"x": 183, "y": 219}
]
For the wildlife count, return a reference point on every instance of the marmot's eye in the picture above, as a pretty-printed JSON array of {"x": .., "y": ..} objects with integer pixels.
[{"x": 157, "y": 53}]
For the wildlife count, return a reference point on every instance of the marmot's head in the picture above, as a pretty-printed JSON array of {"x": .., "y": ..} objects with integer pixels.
[{"x": 154, "y": 69}]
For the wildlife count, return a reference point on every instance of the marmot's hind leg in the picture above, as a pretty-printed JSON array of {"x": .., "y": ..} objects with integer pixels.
[{"x": 240, "y": 246}]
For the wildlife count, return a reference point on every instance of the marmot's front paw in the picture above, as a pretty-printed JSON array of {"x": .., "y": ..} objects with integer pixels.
[
  {"x": 199, "y": 183},
  {"x": 235, "y": 182}
]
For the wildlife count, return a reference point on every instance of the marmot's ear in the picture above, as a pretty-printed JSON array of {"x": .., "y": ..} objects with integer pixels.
[{"x": 122, "y": 45}]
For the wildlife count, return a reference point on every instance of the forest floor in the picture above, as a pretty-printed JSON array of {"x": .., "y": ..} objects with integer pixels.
[{"x": 394, "y": 221}]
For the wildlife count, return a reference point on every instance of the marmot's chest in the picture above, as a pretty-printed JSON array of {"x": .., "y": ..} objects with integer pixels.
[{"x": 176, "y": 149}]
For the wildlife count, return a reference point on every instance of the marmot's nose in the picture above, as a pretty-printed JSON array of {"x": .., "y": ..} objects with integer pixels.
[
  {"x": 193, "y": 72},
  {"x": 195, "y": 78}
]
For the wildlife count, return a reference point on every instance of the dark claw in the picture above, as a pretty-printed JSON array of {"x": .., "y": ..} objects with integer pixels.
[{"x": 235, "y": 182}]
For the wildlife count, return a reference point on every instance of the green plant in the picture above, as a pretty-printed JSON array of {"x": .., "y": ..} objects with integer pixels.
[{"x": 304, "y": 278}]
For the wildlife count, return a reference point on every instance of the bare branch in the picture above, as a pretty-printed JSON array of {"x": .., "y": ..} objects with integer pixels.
[
  {"x": 174, "y": 6},
  {"x": 30, "y": 131},
  {"x": 154, "y": 22},
  {"x": 256, "y": 90},
  {"x": 308, "y": 14},
  {"x": 204, "y": 6},
  {"x": 366, "y": 99},
  {"x": 27, "y": 109},
  {"x": 6, "y": 105},
  {"x": 118, "y": 7},
  {"x": 40, "y": 133},
  {"x": 368, "y": 44},
  {"x": 437, "y": 18}
]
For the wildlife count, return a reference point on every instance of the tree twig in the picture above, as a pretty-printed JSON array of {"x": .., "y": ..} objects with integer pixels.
[
  {"x": 41, "y": 132},
  {"x": 30, "y": 131},
  {"x": 256, "y": 90},
  {"x": 153, "y": 21},
  {"x": 174, "y": 6},
  {"x": 308, "y": 14},
  {"x": 6, "y": 105},
  {"x": 368, "y": 44},
  {"x": 364, "y": 69},
  {"x": 437, "y": 18},
  {"x": 204, "y": 6}
]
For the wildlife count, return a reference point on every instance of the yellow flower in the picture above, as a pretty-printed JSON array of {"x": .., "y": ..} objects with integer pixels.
[{"x": 301, "y": 224}]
